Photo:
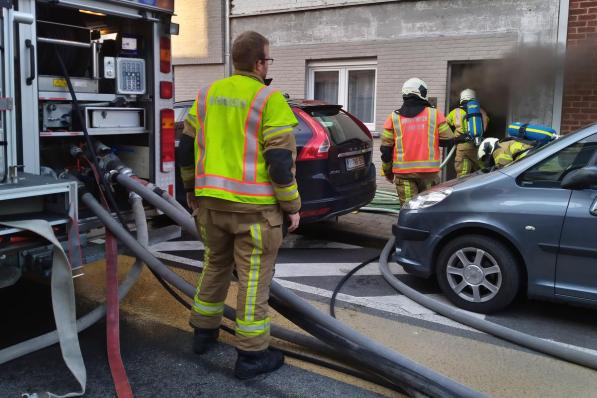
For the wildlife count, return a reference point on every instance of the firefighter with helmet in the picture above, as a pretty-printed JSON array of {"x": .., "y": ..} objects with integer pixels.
[
  {"x": 410, "y": 142},
  {"x": 466, "y": 161},
  {"x": 494, "y": 153},
  {"x": 237, "y": 157}
]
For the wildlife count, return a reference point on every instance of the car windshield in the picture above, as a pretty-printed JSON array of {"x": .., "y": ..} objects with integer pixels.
[{"x": 339, "y": 125}]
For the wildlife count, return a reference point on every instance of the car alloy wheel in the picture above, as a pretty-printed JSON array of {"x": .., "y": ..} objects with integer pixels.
[
  {"x": 479, "y": 273},
  {"x": 474, "y": 275}
]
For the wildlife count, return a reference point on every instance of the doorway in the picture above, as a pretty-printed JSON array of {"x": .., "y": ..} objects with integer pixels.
[{"x": 482, "y": 76}]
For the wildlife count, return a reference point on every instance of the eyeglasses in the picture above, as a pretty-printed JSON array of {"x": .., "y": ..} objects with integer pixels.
[{"x": 269, "y": 60}]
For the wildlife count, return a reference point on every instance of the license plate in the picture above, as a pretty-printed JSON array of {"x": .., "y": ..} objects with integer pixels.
[{"x": 355, "y": 162}]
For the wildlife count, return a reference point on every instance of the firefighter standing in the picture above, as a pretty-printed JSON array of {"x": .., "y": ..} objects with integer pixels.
[
  {"x": 466, "y": 161},
  {"x": 492, "y": 152},
  {"x": 237, "y": 160},
  {"x": 410, "y": 142}
]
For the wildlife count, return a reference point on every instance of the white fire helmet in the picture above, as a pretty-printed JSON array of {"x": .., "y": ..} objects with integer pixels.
[
  {"x": 415, "y": 86},
  {"x": 467, "y": 94},
  {"x": 487, "y": 147}
]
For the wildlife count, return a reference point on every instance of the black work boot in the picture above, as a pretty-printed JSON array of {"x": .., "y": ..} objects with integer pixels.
[
  {"x": 252, "y": 363},
  {"x": 204, "y": 339}
]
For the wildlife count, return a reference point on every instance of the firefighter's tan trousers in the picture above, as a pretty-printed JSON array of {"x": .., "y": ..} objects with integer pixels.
[
  {"x": 409, "y": 185},
  {"x": 466, "y": 160},
  {"x": 250, "y": 242}
]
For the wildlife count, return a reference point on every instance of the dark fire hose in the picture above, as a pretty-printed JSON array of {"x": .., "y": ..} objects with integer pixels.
[
  {"x": 386, "y": 363},
  {"x": 505, "y": 333}
]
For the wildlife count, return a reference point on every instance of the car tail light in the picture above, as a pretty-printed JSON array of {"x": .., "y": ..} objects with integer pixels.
[
  {"x": 319, "y": 145},
  {"x": 165, "y": 55},
  {"x": 315, "y": 212},
  {"x": 167, "y": 140},
  {"x": 361, "y": 125},
  {"x": 166, "y": 90}
]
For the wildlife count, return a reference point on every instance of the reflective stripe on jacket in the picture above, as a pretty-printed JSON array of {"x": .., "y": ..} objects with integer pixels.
[
  {"x": 228, "y": 118},
  {"x": 416, "y": 147},
  {"x": 509, "y": 151}
]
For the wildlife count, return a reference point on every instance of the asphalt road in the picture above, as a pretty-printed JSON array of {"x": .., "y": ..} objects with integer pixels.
[{"x": 156, "y": 338}]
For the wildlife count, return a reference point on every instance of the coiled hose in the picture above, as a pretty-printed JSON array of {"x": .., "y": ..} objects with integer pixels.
[{"x": 51, "y": 338}]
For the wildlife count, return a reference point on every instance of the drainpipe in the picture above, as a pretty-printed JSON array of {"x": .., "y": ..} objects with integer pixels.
[
  {"x": 227, "y": 63},
  {"x": 558, "y": 95}
]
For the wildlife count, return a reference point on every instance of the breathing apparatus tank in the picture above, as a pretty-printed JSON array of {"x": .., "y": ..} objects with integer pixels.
[
  {"x": 474, "y": 121},
  {"x": 532, "y": 132}
]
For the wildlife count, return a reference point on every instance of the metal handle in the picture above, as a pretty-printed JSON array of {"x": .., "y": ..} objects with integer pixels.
[
  {"x": 29, "y": 44},
  {"x": 63, "y": 42}
]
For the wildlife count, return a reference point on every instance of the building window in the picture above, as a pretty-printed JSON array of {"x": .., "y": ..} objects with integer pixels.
[{"x": 350, "y": 84}]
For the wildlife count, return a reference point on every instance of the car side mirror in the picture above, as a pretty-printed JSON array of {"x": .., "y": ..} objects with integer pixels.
[{"x": 581, "y": 178}]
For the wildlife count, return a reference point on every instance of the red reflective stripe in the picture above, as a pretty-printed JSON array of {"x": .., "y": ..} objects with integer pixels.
[
  {"x": 247, "y": 120},
  {"x": 234, "y": 186},
  {"x": 234, "y": 179},
  {"x": 257, "y": 132},
  {"x": 234, "y": 192},
  {"x": 200, "y": 137},
  {"x": 252, "y": 128}
]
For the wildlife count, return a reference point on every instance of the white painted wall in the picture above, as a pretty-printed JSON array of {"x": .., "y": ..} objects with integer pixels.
[{"x": 248, "y": 7}]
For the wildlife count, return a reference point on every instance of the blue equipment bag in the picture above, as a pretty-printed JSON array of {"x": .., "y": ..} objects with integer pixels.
[
  {"x": 474, "y": 119},
  {"x": 532, "y": 132}
]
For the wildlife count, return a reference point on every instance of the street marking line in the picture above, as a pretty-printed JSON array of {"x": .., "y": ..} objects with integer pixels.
[
  {"x": 170, "y": 246},
  {"x": 178, "y": 259},
  {"x": 398, "y": 304},
  {"x": 288, "y": 270},
  {"x": 185, "y": 245}
]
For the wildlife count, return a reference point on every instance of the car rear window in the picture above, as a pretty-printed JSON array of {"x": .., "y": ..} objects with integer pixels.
[
  {"x": 338, "y": 124},
  {"x": 302, "y": 132}
]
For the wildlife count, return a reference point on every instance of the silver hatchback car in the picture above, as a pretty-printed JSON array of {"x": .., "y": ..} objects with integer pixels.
[{"x": 530, "y": 227}]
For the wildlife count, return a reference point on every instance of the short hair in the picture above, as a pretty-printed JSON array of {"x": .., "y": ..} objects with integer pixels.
[{"x": 247, "y": 49}]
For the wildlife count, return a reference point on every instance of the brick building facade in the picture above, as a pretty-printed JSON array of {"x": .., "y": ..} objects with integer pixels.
[{"x": 580, "y": 94}]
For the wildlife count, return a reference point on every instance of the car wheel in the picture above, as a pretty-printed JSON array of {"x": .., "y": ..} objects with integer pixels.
[{"x": 478, "y": 273}]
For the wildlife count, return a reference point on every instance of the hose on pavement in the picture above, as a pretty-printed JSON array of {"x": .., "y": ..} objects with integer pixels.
[
  {"x": 525, "y": 340},
  {"x": 416, "y": 379}
]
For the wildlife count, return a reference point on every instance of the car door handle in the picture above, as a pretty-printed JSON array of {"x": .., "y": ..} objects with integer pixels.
[{"x": 594, "y": 208}]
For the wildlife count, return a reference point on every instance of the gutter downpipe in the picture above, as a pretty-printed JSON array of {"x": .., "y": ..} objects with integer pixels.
[
  {"x": 227, "y": 63},
  {"x": 558, "y": 94}
]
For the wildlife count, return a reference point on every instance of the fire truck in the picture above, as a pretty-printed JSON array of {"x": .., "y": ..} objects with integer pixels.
[{"x": 76, "y": 74}]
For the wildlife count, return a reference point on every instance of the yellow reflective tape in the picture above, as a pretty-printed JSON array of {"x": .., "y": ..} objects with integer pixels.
[
  {"x": 276, "y": 131},
  {"x": 431, "y": 120},
  {"x": 502, "y": 157},
  {"x": 206, "y": 255},
  {"x": 388, "y": 134},
  {"x": 253, "y": 328},
  {"x": 443, "y": 127},
  {"x": 465, "y": 168},
  {"x": 407, "y": 190},
  {"x": 287, "y": 197},
  {"x": 254, "y": 270},
  {"x": 207, "y": 308},
  {"x": 417, "y": 161},
  {"x": 289, "y": 188}
]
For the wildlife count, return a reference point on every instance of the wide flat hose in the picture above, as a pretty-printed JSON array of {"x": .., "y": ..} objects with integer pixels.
[
  {"x": 535, "y": 343},
  {"x": 387, "y": 363},
  {"x": 51, "y": 338}
]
